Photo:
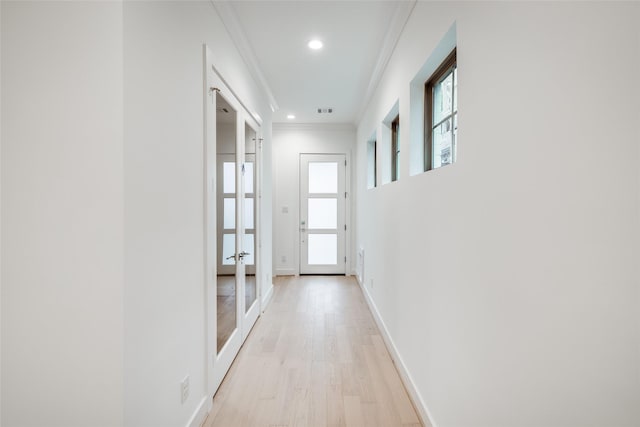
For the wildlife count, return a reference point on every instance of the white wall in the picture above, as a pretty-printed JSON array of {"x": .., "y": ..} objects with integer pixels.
[
  {"x": 289, "y": 141},
  {"x": 508, "y": 282},
  {"x": 103, "y": 309},
  {"x": 0, "y": 214},
  {"x": 164, "y": 273},
  {"x": 62, "y": 214}
]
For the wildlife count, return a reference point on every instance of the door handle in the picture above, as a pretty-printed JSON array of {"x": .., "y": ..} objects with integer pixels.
[
  {"x": 243, "y": 254},
  {"x": 231, "y": 257}
]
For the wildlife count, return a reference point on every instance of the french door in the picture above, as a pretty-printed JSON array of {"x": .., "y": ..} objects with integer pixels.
[
  {"x": 322, "y": 214},
  {"x": 232, "y": 231}
]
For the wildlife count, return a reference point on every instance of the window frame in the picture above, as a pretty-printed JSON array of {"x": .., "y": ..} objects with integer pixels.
[
  {"x": 375, "y": 163},
  {"x": 395, "y": 148},
  {"x": 448, "y": 65}
]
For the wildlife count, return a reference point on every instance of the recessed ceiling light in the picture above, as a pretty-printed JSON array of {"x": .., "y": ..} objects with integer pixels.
[
  {"x": 290, "y": 116},
  {"x": 315, "y": 44}
]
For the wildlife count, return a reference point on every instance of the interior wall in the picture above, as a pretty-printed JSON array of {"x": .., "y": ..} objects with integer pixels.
[
  {"x": 289, "y": 141},
  {"x": 62, "y": 213},
  {"x": 508, "y": 282},
  {"x": 164, "y": 271}
]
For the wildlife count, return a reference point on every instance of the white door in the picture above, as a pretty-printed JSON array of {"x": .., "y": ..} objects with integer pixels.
[
  {"x": 229, "y": 206},
  {"x": 322, "y": 214},
  {"x": 231, "y": 225}
]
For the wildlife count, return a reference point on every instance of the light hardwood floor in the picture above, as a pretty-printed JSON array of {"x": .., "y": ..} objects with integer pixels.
[{"x": 314, "y": 358}]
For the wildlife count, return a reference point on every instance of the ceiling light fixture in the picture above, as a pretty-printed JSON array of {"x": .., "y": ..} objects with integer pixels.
[
  {"x": 290, "y": 116},
  {"x": 315, "y": 44}
]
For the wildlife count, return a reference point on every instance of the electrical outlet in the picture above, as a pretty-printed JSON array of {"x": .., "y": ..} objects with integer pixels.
[
  {"x": 184, "y": 389},
  {"x": 284, "y": 258}
]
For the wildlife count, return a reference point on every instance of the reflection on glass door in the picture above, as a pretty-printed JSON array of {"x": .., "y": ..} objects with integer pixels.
[
  {"x": 250, "y": 207},
  {"x": 322, "y": 214},
  {"x": 227, "y": 279}
]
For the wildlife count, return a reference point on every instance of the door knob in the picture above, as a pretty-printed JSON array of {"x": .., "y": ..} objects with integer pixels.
[{"x": 243, "y": 254}]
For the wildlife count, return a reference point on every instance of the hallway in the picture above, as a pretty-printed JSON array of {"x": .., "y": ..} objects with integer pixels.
[{"x": 314, "y": 358}]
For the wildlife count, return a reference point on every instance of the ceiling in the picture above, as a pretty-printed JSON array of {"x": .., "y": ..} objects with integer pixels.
[{"x": 358, "y": 37}]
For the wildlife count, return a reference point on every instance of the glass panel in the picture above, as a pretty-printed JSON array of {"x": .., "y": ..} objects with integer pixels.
[
  {"x": 442, "y": 144},
  {"x": 455, "y": 138},
  {"x": 248, "y": 212},
  {"x": 455, "y": 89},
  {"x": 323, "y": 213},
  {"x": 228, "y": 249},
  {"x": 229, "y": 177},
  {"x": 249, "y": 246},
  {"x": 229, "y": 213},
  {"x": 248, "y": 177},
  {"x": 323, "y": 249},
  {"x": 250, "y": 139},
  {"x": 323, "y": 177},
  {"x": 226, "y": 285},
  {"x": 443, "y": 98},
  {"x": 249, "y": 292}
]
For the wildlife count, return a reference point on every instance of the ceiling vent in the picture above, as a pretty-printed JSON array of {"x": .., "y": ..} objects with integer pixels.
[{"x": 325, "y": 110}]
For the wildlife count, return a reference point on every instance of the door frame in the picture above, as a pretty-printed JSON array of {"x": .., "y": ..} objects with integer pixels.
[
  {"x": 348, "y": 210},
  {"x": 213, "y": 79}
]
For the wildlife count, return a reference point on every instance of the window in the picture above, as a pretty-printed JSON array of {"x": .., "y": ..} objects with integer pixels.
[
  {"x": 441, "y": 115},
  {"x": 372, "y": 168},
  {"x": 395, "y": 148}
]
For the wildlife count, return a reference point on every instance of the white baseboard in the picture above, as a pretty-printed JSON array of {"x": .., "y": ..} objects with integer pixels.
[
  {"x": 267, "y": 298},
  {"x": 405, "y": 376},
  {"x": 201, "y": 412},
  {"x": 286, "y": 272}
]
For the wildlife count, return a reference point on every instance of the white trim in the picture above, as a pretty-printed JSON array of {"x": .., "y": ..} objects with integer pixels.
[
  {"x": 416, "y": 398},
  {"x": 286, "y": 271},
  {"x": 231, "y": 22},
  {"x": 200, "y": 413},
  {"x": 267, "y": 298},
  {"x": 399, "y": 20}
]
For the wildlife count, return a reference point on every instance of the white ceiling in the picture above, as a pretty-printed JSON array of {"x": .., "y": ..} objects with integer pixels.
[{"x": 356, "y": 39}]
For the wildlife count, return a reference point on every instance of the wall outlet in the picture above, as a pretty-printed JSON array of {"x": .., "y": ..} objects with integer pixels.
[
  {"x": 283, "y": 259},
  {"x": 184, "y": 389}
]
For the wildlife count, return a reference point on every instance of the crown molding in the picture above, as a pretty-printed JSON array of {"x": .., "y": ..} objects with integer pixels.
[
  {"x": 231, "y": 22},
  {"x": 399, "y": 20}
]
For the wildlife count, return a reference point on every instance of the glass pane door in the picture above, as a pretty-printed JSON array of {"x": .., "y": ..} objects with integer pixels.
[
  {"x": 250, "y": 207},
  {"x": 227, "y": 206},
  {"x": 322, "y": 214}
]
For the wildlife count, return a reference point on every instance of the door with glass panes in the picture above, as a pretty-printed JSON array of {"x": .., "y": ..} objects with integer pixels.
[
  {"x": 236, "y": 232},
  {"x": 322, "y": 214}
]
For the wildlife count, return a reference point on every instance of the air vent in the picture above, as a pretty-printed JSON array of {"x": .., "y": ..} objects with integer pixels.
[{"x": 324, "y": 110}]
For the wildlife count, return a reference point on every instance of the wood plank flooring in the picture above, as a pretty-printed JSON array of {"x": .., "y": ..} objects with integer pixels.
[{"x": 314, "y": 358}]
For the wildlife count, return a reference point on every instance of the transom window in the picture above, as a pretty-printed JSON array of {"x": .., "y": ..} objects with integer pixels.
[
  {"x": 441, "y": 114},
  {"x": 395, "y": 148}
]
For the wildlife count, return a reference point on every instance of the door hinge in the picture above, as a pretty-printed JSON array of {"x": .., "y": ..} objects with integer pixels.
[
  {"x": 345, "y": 163},
  {"x": 345, "y": 260},
  {"x": 345, "y": 194},
  {"x": 345, "y": 227}
]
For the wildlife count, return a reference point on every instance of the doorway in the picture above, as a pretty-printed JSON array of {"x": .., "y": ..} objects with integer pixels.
[
  {"x": 323, "y": 214},
  {"x": 231, "y": 225}
]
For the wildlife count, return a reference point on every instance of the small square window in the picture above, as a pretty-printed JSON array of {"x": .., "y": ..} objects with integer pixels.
[{"x": 441, "y": 115}]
